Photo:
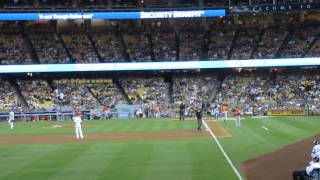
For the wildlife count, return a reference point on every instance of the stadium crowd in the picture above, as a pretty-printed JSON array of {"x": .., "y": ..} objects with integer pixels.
[
  {"x": 108, "y": 47},
  {"x": 37, "y": 94},
  {"x": 8, "y": 96},
  {"x": 164, "y": 47},
  {"x": 138, "y": 46},
  {"x": 217, "y": 39},
  {"x": 49, "y": 48},
  {"x": 151, "y": 90},
  {"x": 13, "y": 50},
  {"x": 193, "y": 91},
  {"x": 255, "y": 94},
  {"x": 80, "y": 48}
]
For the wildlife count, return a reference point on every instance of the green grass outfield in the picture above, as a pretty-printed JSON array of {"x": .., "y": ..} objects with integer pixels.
[{"x": 185, "y": 159}]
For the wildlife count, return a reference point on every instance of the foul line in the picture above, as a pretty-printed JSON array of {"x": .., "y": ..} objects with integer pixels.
[{"x": 222, "y": 150}]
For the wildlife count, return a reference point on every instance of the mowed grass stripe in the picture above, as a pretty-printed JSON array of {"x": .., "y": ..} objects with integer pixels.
[
  {"x": 144, "y": 125},
  {"x": 129, "y": 126},
  {"x": 107, "y": 154},
  {"x": 284, "y": 129},
  {"x": 208, "y": 162},
  {"x": 301, "y": 123},
  {"x": 22, "y": 128},
  {"x": 250, "y": 140},
  {"x": 289, "y": 129},
  {"x": 110, "y": 126},
  {"x": 90, "y": 164},
  {"x": 169, "y": 163},
  {"x": 20, "y": 164},
  {"x": 51, "y": 163},
  {"x": 7, "y": 152},
  {"x": 255, "y": 140},
  {"x": 130, "y": 163}
]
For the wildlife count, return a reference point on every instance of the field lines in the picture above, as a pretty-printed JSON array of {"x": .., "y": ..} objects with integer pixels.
[{"x": 223, "y": 151}]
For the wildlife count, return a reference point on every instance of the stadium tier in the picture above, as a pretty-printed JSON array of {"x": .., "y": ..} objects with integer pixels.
[
  {"x": 255, "y": 94},
  {"x": 131, "y": 41}
]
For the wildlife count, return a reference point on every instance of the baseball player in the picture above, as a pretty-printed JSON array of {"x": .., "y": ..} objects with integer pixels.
[
  {"x": 77, "y": 125},
  {"x": 216, "y": 112},
  {"x": 309, "y": 171},
  {"x": 224, "y": 110},
  {"x": 237, "y": 114},
  {"x": 199, "y": 119},
  {"x": 11, "y": 119},
  {"x": 315, "y": 149}
]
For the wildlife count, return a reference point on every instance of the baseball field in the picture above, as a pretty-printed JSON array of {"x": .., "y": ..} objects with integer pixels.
[{"x": 149, "y": 149}]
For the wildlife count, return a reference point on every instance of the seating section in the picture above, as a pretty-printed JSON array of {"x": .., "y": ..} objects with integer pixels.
[
  {"x": 191, "y": 40},
  {"x": 138, "y": 46},
  {"x": 246, "y": 41},
  {"x": 216, "y": 39},
  {"x": 164, "y": 46},
  {"x": 193, "y": 91},
  {"x": 37, "y": 93},
  {"x": 220, "y": 43},
  {"x": 150, "y": 91},
  {"x": 109, "y": 47},
  {"x": 271, "y": 41},
  {"x": 106, "y": 92},
  {"x": 49, "y": 48},
  {"x": 246, "y": 92},
  {"x": 300, "y": 41},
  {"x": 13, "y": 50},
  {"x": 75, "y": 93},
  {"x": 8, "y": 97},
  {"x": 314, "y": 49},
  {"x": 299, "y": 91},
  {"x": 261, "y": 93},
  {"x": 80, "y": 48}
]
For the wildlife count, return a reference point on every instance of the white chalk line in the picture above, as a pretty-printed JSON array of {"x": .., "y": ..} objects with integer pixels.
[{"x": 222, "y": 150}]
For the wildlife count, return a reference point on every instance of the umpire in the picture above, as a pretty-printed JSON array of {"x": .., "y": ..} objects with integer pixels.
[
  {"x": 199, "y": 119},
  {"x": 182, "y": 111}
]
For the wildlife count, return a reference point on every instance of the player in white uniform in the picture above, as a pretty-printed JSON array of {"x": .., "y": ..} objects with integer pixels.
[
  {"x": 309, "y": 172},
  {"x": 77, "y": 125},
  {"x": 315, "y": 149},
  {"x": 11, "y": 119}
]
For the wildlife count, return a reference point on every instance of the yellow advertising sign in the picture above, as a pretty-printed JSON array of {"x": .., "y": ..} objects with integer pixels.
[{"x": 286, "y": 113}]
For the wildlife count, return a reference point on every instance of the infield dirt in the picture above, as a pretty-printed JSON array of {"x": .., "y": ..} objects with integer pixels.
[{"x": 278, "y": 165}]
